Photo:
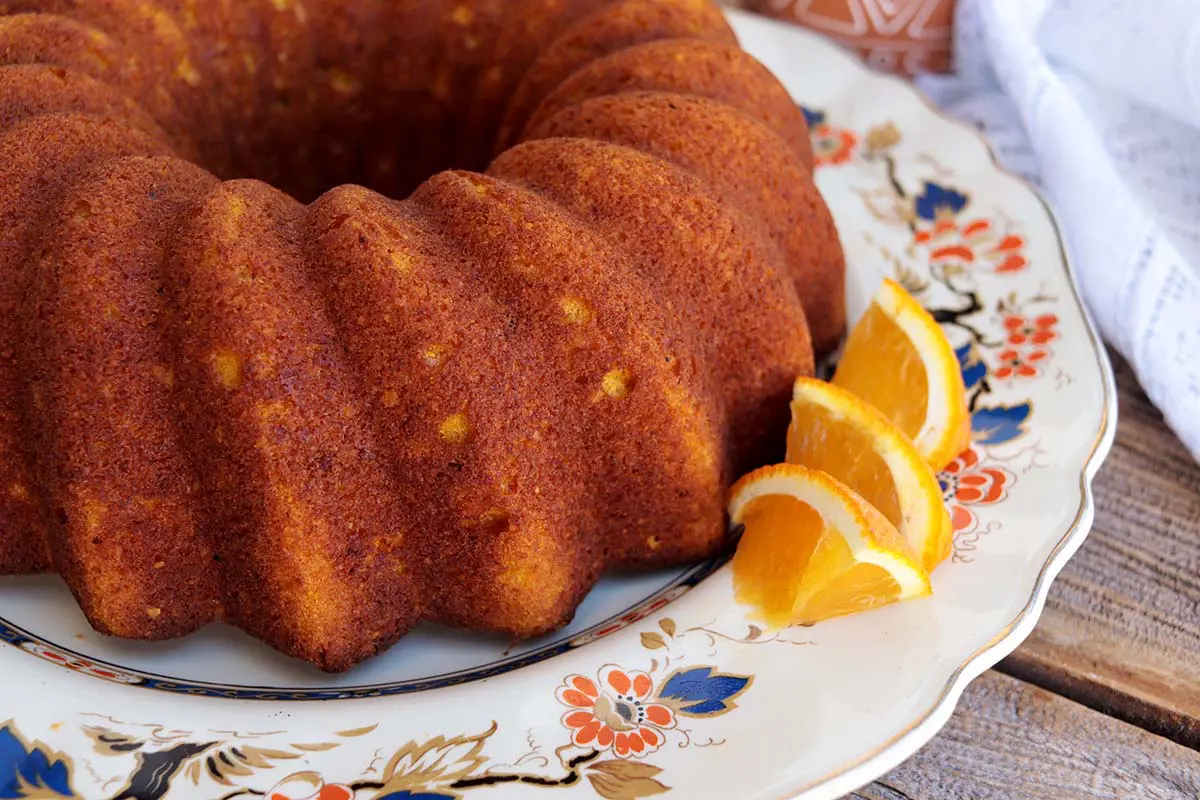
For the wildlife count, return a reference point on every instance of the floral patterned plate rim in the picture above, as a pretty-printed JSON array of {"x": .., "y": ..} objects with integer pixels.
[{"x": 679, "y": 692}]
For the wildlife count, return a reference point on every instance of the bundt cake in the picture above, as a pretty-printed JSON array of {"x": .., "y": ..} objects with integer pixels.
[{"x": 236, "y": 384}]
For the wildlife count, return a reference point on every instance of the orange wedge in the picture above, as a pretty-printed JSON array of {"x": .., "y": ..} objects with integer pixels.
[
  {"x": 812, "y": 549},
  {"x": 898, "y": 359},
  {"x": 834, "y": 431}
]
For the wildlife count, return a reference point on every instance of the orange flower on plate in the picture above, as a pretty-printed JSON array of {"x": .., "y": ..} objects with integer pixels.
[
  {"x": 615, "y": 712},
  {"x": 962, "y": 519},
  {"x": 1015, "y": 364},
  {"x": 973, "y": 244},
  {"x": 308, "y": 786},
  {"x": 832, "y": 145},
  {"x": 966, "y": 481},
  {"x": 1038, "y": 331},
  {"x": 969, "y": 481}
]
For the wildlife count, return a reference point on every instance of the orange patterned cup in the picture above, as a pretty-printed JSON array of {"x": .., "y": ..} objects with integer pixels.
[{"x": 905, "y": 36}]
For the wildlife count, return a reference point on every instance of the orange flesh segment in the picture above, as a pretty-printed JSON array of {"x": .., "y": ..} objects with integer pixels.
[
  {"x": 878, "y": 353},
  {"x": 865, "y": 472},
  {"x": 776, "y": 547},
  {"x": 859, "y": 588},
  {"x": 788, "y": 554}
]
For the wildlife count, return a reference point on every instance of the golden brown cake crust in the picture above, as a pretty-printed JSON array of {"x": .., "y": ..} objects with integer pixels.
[
  {"x": 528, "y": 26},
  {"x": 635, "y": 433},
  {"x": 609, "y": 29},
  {"x": 698, "y": 255},
  {"x": 742, "y": 160},
  {"x": 699, "y": 68},
  {"x": 101, "y": 378},
  {"x": 452, "y": 403},
  {"x": 39, "y": 159},
  {"x": 34, "y": 90},
  {"x": 118, "y": 43},
  {"x": 235, "y": 385},
  {"x": 296, "y": 495}
]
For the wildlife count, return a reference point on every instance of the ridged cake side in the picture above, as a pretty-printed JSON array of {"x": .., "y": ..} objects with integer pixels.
[
  {"x": 611, "y": 28},
  {"x": 746, "y": 163},
  {"x": 41, "y": 158},
  {"x": 716, "y": 70},
  {"x": 326, "y": 423},
  {"x": 102, "y": 407}
]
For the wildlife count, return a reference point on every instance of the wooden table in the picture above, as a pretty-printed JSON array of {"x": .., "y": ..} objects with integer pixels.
[{"x": 1103, "y": 699}]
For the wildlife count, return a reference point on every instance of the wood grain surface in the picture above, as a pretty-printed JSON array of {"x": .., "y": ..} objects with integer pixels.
[
  {"x": 1121, "y": 630},
  {"x": 1009, "y": 740}
]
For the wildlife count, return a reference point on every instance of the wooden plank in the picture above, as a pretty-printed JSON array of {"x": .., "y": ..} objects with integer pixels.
[
  {"x": 1009, "y": 740},
  {"x": 1121, "y": 630}
]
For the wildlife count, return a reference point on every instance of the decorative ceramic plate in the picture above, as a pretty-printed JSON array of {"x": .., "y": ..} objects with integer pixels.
[{"x": 661, "y": 684}]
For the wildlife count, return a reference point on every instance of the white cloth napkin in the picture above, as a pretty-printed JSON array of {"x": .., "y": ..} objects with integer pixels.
[{"x": 1098, "y": 102}]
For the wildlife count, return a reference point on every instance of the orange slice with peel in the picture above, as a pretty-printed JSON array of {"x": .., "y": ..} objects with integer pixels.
[
  {"x": 812, "y": 549},
  {"x": 898, "y": 359},
  {"x": 835, "y": 431}
]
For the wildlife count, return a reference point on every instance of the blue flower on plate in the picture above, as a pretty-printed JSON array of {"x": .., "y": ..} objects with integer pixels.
[
  {"x": 702, "y": 692},
  {"x": 1000, "y": 424},
  {"x": 813, "y": 117},
  {"x": 936, "y": 201},
  {"x": 974, "y": 370},
  {"x": 990, "y": 424},
  {"x": 30, "y": 771}
]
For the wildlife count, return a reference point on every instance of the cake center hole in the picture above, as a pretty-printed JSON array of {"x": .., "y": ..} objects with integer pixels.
[
  {"x": 376, "y": 101},
  {"x": 389, "y": 143}
]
